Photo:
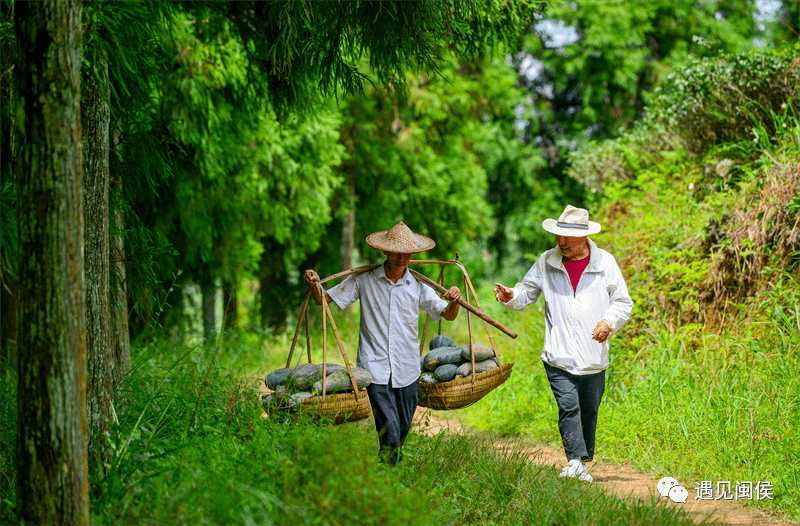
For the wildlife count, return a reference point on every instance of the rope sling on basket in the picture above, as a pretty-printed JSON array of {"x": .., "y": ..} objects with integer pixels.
[
  {"x": 461, "y": 392},
  {"x": 342, "y": 407}
]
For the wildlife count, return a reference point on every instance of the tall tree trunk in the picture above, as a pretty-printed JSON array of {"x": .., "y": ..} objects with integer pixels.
[
  {"x": 349, "y": 233},
  {"x": 349, "y": 229},
  {"x": 8, "y": 319},
  {"x": 274, "y": 286},
  {"x": 230, "y": 303},
  {"x": 118, "y": 286},
  {"x": 52, "y": 474},
  {"x": 209, "y": 293},
  {"x": 141, "y": 318},
  {"x": 95, "y": 118}
]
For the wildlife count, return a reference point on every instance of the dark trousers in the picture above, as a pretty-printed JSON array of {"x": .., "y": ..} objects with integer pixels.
[
  {"x": 393, "y": 410},
  {"x": 578, "y": 399}
]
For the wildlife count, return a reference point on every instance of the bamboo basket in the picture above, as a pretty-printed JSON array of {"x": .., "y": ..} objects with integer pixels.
[
  {"x": 342, "y": 407},
  {"x": 462, "y": 392}
]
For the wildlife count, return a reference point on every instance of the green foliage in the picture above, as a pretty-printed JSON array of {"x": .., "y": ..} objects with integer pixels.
[
  {"x": 716, "y": 408},
  {"x": 785, "y": 27},
  {"x": 414, "y": 162},
  {"x": 717, "y": 100},
  {"x": 731, "y": 106},
  {"x": 292, "y": 45},
  {"x": 129, "y": 38},
  {"x": 678, "y": 402},
  {"x": 728, "y": 238},
  {"x": 245, "y": 181},
  {"x": 479, "y": 485},
  {"x": 722, "y": 226},
  {"x": 590, "y": 67},
  {"x": 519, "y": 191},
  {"x": 599, "y": 81},
  {"x": 622, "y": 158},
  {"x": 449, "y": 162},
  {"x": 702, "y": 380}
]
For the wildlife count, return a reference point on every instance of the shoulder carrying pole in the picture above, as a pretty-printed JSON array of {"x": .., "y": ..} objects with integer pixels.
[{"x": 477, "y": 312}]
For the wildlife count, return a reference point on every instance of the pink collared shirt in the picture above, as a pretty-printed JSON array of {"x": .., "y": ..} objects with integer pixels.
[{"x": 575, "y": 269}]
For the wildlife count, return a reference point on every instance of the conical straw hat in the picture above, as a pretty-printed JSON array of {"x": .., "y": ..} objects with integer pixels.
[{"x": 400, "y": 239}]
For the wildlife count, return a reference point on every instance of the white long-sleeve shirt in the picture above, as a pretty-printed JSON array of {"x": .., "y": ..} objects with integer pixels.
[
  {"x": 388, "y": 339},
  {"x": 571, "y": 315}
]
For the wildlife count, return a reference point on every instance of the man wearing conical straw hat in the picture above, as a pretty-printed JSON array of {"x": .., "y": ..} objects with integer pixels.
[
  {"x": 388, "y": 339},
  {"x": 586, "y": 301}
]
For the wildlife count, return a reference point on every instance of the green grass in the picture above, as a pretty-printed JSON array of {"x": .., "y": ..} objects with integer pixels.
[
  {"x": 192, "y": 447},
  {"x": 8, "y": 431},
  {"x": 728, "y": 410}
]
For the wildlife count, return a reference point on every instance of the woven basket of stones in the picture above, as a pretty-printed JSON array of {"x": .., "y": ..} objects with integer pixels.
[
  {"x": 301, "y": 389},
  {"x": 456, "y": 376}
]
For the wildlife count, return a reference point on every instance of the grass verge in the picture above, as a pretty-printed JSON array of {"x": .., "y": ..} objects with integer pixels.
[{"x": 192, "y": 446}]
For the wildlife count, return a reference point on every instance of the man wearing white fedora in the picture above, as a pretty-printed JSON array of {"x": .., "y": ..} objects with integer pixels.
[
  {"x": 586, "y": 300},
  {"x": 388, "y": 339}
]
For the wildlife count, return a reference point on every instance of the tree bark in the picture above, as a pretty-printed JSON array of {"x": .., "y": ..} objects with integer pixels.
[
  {"x": 95, "y": 118},
  {"x": 52, "y": 474},
  {"x": 349, "y": 229},
  {"x": 230, "y": 303},
  {"x": 8, "y": 319},
  {"x": 274, "y": 286},
  {"x": 349, "y": 233},
  {"x": 120, "y": 332}
]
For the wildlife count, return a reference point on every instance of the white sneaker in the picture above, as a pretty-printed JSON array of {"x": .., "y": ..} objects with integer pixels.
[
  {"x": 576, "y": 469},
  {"x": 571, "y": 469},
  {"x": 583, "y": 474}
]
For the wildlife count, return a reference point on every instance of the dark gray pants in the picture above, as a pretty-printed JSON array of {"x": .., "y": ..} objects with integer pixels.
[
  {"x": 393, "y": 409},
  {"x": 578, "y": 399}
]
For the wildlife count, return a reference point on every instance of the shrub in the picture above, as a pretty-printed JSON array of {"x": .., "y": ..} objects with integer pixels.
[
  {"x": 710, "y": 103},
  {"x": 716, "y": 100}
]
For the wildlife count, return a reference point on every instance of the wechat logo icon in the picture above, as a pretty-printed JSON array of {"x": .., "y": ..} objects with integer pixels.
[{"x": 669, "y": 487}]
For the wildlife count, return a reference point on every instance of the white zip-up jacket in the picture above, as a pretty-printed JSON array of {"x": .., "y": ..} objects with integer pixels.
[{"x": 571, "y": 316}]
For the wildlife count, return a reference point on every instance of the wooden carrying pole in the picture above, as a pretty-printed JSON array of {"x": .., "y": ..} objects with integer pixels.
[
  {"x": 468, "y": 285},
  {"x": 303, "y": 313},
  {"x": 326, "y": 310},
  {"x": 477, "y": 312},
  {"x": 326, "y": 315},
  {"x": 441, "y": 290},
  {"x": 345, "y": 273}
]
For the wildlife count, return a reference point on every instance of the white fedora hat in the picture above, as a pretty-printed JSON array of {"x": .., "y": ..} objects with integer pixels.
[
  {"x": 574, "y": 222},
  {"x": 400, "y": 239}
]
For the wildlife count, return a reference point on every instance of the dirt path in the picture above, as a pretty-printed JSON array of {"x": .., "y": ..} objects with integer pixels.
[{"x": 619, "y": 479}]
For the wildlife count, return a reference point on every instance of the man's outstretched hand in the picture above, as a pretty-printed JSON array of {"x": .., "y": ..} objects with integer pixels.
[{"x": 502, "y": 293}]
